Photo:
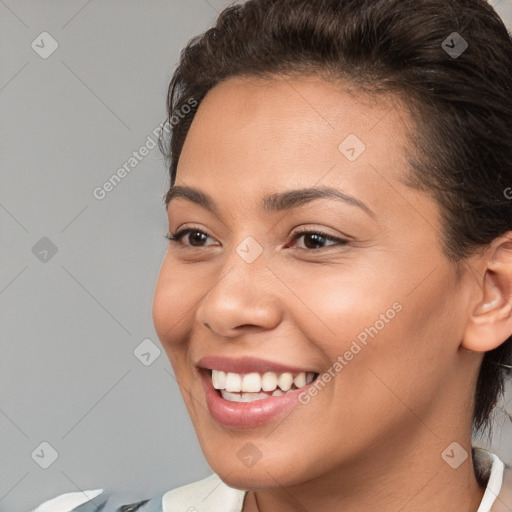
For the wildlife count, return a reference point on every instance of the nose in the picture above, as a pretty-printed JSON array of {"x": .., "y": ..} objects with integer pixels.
[{"x": 244, "y": 297}]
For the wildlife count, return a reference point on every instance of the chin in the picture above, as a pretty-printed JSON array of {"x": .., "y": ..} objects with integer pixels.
[{"x": 253, "y": 479}]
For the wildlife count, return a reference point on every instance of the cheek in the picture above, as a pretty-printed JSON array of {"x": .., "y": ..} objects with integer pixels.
[
  {"x": 336, "y": 305},
  {"x": 374, "y": 323},
  {"x": 173, "y": 299}
]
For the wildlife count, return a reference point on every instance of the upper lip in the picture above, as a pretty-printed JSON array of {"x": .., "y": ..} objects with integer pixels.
[{"x": 247, "y": 365}]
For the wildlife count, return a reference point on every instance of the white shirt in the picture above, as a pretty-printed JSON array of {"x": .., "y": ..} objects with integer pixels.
[{"x": 212, "y": 495}]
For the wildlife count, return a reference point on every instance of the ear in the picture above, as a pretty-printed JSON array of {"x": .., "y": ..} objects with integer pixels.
[{"x": 490, "y": 320}]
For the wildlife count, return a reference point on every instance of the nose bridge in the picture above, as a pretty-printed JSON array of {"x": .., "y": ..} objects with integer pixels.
[
  {"x": 245, "y": 275},
  {"x": 244, "y": 293}
]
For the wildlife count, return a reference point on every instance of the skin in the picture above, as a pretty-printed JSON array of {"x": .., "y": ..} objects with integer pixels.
[{"x": 372, "y": 438}]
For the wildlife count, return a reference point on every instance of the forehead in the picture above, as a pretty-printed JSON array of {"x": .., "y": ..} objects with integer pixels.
[{"x": 279, "y": 133}]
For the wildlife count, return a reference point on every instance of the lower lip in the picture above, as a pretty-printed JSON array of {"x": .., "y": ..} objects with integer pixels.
[{"x": 246, "y": 414}]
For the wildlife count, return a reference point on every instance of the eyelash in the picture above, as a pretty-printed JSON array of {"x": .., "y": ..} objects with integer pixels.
[{"x": 176, "y": 237}]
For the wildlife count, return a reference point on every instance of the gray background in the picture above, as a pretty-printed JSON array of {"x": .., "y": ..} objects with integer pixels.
[{"x": 71, "y": 321}]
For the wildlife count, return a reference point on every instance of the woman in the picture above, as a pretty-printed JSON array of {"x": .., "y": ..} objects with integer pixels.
[{"x": 336, "y": 298}]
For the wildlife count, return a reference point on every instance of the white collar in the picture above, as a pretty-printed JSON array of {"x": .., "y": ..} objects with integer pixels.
[
  {"x": 494, "y": 479},
  {"x": 213, "y": 495}
]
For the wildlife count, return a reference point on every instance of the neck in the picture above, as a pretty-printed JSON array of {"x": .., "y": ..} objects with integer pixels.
[{"x": 393, "y": 476}]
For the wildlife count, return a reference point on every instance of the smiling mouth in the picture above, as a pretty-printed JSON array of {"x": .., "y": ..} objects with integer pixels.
[{"x": 249, "y": 387}]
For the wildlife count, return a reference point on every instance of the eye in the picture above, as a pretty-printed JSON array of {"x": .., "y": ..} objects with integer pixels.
[
  {"x": 196, "y": 240},
  {"x": 316, "y": 239}
]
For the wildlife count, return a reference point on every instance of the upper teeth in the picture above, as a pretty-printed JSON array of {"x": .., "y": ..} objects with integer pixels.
[{"x": 254, "y": 382}]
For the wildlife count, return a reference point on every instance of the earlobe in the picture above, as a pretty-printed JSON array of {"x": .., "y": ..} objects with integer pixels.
[{"x": 490, "y": 321}]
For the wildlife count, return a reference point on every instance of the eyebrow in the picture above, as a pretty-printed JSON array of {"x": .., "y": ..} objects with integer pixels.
[{"x": 278, "y": 201}]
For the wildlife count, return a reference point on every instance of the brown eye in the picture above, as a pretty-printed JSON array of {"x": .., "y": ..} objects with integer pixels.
[
  {"x": 195, "y": 237},
  {"x": 317, "y": 239}
]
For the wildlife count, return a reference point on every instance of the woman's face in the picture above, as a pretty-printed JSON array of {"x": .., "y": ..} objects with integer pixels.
[{"x": 365, "y": 298}]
